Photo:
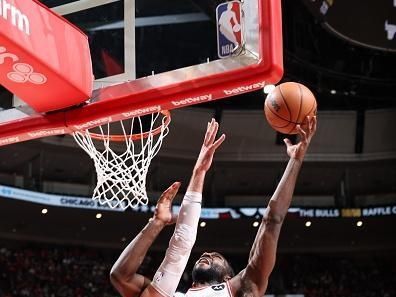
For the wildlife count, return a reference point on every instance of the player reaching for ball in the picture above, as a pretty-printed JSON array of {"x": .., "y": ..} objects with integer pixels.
[{"x": 212, "y": 274}]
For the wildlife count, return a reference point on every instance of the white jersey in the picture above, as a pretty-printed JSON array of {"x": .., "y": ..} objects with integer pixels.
[{"x": 220, "y": 290}]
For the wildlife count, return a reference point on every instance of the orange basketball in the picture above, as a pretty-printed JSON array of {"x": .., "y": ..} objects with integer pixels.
[{"x": 288, "y": 105}]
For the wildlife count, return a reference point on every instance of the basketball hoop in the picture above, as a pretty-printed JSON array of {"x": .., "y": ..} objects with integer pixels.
[{"x": 121, "y": 177}]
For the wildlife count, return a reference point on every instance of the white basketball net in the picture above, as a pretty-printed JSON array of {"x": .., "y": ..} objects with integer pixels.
[{"x": 121, "y": 176}]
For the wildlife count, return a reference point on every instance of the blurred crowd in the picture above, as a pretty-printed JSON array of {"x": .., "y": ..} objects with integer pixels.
[
  {"x": 355, "y": 275},
  {"x": 82, "y": 272},
  {"x": 53, "y": 272}
]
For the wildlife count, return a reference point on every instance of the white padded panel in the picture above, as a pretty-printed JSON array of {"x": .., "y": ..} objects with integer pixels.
[
  {"x": 335, "y": 133},
  {"x": 248, "y": 135},
  {"x": 187, "y": 131},
  {"x": 379, "y": 131}
]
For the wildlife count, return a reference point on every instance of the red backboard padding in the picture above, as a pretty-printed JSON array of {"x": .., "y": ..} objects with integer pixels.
[{"x": 44, "y": 59}]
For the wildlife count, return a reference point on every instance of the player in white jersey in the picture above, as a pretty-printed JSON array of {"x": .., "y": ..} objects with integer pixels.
[
  {"x": 123, "y": 275},
  {"x": 212, "y": 274}
]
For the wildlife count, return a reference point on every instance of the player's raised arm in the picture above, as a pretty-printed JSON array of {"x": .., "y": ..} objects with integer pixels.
[
  {"x": 254, "y": 278},
  {"x": 168, "y": 275},
  {"x": 123, "y": 274}
]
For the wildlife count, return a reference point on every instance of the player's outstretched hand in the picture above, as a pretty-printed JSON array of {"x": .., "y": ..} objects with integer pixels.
[
  {"x": 298, "y": 150},
  {"x": 209, "y": 146},
  {"x": 163, "y": 210}
]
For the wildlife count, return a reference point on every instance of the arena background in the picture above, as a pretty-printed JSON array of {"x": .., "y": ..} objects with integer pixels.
[{"x": 349, "y": 174}]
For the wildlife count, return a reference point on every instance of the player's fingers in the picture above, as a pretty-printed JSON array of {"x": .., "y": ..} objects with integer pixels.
[
  {"x": 311, "y": 128},
  {"x": 174, "y": 189},
  {"x": 218, "y": 142},
  {"x": 170, "y": 192},
  {"x": 310, "y": 121},
  {"x": 207, "y": 134},
  {"x": 287, "y": 142},
  {"x": 314, "y": 122},
  {"x": 302, "y": 133},
  {"x": 215, "y": 128},
  {"x": 308, "y": 129}
]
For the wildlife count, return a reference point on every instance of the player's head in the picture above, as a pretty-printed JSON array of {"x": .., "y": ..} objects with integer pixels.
[{"x": 211, "y": 268}]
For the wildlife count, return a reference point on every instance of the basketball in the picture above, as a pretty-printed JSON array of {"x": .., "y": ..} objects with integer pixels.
[{"x": 288, "y": 105}]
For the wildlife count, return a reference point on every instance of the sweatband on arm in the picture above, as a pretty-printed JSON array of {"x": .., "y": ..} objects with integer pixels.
[{"x": 168, "y": 275}]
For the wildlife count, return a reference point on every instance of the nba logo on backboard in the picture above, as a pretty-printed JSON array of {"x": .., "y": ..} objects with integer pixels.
[{"x": 229, "y": 28}]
